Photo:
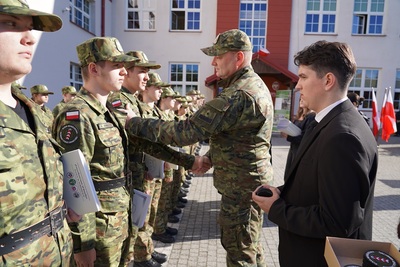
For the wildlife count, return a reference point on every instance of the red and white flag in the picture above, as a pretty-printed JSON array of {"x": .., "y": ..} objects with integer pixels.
[
  {"x": 375, "y": 116},
  {"x": 388, "y": 117}
]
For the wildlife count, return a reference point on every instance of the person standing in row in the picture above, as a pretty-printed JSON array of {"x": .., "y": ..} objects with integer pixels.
[
  {"x": 88, "y": 123},
  {"x": 329, "y": 188},
  {"x": 239, "y": 125},
  {"x": 40, "y": 95},
  {"x": 134, "y": 83},
  {"x": 68, "y": 93},
  {"x": 34, "y": 229}
]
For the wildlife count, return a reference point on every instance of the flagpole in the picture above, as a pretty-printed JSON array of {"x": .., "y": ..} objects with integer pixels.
[{"x": 373, "y": 119}]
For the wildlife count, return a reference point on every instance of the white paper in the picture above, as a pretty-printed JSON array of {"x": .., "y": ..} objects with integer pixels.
[
  {"x": 286, "y": 126},
  {"x": 79, "y": 192},
  {"x": 155, "y": 166},
  {"x": 140, "y": 206}
]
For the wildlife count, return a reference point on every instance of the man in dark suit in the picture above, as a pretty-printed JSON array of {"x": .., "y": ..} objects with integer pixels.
[{"x": 330, "y": 186}]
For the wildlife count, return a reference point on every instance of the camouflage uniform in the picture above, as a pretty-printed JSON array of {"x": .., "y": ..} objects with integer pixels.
[
  {"x": 86, "y": 124},
  {"x": 101, "y": 138},
  {"x": 137, "y": 147},
  {"x": 48, "y": 114},
  {"x": 31, "y": 177},
  {"x": 65, "y": 90},
  {"x": 239, "y": 125}
]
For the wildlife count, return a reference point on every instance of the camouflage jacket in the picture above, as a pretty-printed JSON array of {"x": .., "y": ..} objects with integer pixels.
[
  {"x": 31, "y": 179},
  {"x": 239, "y": 125},
  {"x": 86, "y": 124},
  {"x": 160, "y": 151},
  {"x": 58, "y": 108}
]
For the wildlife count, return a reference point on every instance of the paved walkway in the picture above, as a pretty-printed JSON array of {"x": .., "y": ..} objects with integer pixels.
[{"x": 197, "y": 243}]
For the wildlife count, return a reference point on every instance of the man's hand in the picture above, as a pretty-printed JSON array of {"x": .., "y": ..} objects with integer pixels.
[
  {"x": 128, "y": 111},
  {"x": 201, "y": 165},
  {"x": 85, "y": 258},
  {"x": 265, "y": 203},
  {"x": 72, "y": 216}
]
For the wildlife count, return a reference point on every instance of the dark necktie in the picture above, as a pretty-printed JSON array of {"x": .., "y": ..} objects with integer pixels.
[{"x": 309, "y": 128}]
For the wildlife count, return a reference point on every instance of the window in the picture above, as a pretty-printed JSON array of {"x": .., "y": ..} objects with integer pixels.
[
  {"x": 185, "y": 15},
  {"x": 396, "y": 97},
  {"x": 362, "y": 84},
  {"x": 253, "y": 21},
  {"x": 321, "y": 16},
  {"x": 141, "y": 14},
  {"x": 368, "y": 16},
  {"x": 75, "y": 76},
  {"x": 184, "y": 77},
  {"x": 80, "y": 13}
]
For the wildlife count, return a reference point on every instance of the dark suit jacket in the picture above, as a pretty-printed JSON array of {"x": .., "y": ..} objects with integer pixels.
[{"x": 329, "y": 188}]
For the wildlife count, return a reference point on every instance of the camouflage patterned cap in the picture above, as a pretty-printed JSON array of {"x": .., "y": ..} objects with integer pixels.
[
  {"x": 41, "y": 21},
  {"x": 193, "y": 92},
  {"x": 40, "y": 89},
  {"x": 142, "y": 62},
  {"x": 155, "y": 79},
  {"x": 168, "y": 92},
  {"x": 69, "y": 90},
  {"x": 232, "y": 40},
  {"x": 102, "y": 49}
]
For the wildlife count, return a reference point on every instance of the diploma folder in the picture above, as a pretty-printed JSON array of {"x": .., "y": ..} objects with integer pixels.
[
  {"x": 79, "y": 192},
  {"x": 140, "y": 207}
]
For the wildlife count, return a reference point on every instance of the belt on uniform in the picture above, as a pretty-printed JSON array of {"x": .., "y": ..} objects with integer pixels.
[
  {"x": 137, "y": 157},
  {"x": 48, "y": 226},
  {"x": 113, "y": 183}
]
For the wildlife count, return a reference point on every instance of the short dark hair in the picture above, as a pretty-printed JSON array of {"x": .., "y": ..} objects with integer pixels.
[{"x": 324, "y": 57}]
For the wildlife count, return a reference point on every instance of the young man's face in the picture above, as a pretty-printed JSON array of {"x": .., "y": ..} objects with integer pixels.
[
  {"x": 153, "y": 93},
  {"x": 16, "y": 47},
  {"x": 40, "y": 99},
  {"x": 136, "y": 79},
  {"x": 68, "y": 97},
  {"x": 111, "y": 75},
  {"x": 311, "y": 87}
]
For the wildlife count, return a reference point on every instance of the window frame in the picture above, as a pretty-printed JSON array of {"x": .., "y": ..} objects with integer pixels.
[
  {"x": 253, "y": 23},
  {"x": 318, "y": 21},
  {"x": 75, "y": 75},
  {"x": 368, "y": 15},
  {"x": 396, "y": 93},
  {"x": 191, "y": 10},
  {"x": 183, "y": 85},
  {"x": 145, "y": 9},
  {"x": 86, "y": 10},
  {"x": 364, "y": 80}
]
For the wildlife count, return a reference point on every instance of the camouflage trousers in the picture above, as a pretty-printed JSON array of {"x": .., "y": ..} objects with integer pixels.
[
  {"x": 240, "y": 234},
  {"x": 178, "y": 179},
  {"x": 164, "y": 208},
  {"x": 154, "y": 202},
  {"x": 112, "y": 239},
  {"x": 144, "y": 246}
]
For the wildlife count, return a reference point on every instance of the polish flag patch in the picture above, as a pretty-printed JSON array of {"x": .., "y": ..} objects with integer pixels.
[
  {"x": 72, "y": 115},
  {"x": 117, "y": 103}
]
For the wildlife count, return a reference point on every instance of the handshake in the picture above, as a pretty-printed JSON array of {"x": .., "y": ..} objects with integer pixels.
[{"x": 201, "y": 165}]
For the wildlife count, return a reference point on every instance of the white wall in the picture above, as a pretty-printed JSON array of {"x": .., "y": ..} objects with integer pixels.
[{"x": 163, "y": 46}]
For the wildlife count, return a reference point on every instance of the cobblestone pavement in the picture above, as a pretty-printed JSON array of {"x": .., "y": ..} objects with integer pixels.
[{"x": 197, "y": 243}]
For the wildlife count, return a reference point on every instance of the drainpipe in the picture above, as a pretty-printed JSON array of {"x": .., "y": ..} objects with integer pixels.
[{"x": 103, "y": 15}]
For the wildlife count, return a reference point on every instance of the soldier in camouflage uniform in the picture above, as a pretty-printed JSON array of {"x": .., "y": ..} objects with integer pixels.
[
  {"x": 135, "y": 82},
  {"x": 89, "y": 124},
  {"x": 40, "y": 95},
  {"x": 69, "y": 93},
  {"x": 31, "y": 173},
  {"x": 239, "y": 125}
]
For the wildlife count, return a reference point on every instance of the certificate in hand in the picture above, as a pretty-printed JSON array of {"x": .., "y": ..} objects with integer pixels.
[
  {"x": 79, "y": 192},
  {"x": 140, "y": 206}
]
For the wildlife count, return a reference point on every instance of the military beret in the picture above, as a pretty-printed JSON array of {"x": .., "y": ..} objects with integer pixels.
[
  {"x": 232, "y": 40},
  {"x": 41, "y": 21}
]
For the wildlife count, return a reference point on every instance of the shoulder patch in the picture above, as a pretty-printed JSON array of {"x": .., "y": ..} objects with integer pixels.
[
  {"x": 72, "y": 115},
  {"x": 69, "y": 134},
  {"x": 117, "y": 103}
]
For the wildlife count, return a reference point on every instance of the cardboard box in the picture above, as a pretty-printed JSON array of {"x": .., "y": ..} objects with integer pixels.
[{"x": 342, "y": 251}]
